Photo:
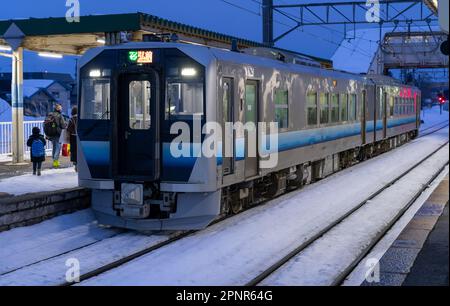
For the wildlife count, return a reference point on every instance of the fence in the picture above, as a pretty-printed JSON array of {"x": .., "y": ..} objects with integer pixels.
[{"x": 6, "y": 136}]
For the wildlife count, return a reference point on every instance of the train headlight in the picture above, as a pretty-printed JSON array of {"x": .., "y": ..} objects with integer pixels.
[
  {"x": 132, "y": 194},
  {"x": 95, "y": 73},
  {"x": 188, "y": 72}
]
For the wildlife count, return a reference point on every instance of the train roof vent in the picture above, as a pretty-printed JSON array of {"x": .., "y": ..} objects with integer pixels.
[{"x": 286, "y": 57}]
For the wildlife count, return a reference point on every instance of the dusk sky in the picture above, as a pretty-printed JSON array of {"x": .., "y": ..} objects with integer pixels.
[{"x": 243, "y": 21}]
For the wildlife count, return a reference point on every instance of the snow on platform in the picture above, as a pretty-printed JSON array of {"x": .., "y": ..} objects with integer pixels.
[
  {"x": 51, "y": 180},
  {"x": 236, "y": 250}
]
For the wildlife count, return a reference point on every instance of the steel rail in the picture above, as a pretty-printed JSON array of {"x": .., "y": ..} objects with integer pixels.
[{"x": 274, "y": 267}]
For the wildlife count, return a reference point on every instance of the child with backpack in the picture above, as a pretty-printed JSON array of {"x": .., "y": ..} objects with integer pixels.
[{"x": 37, "y": 144}]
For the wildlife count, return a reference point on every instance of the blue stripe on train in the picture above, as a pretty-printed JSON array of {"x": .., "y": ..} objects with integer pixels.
[{"x": 98, "y": 152}]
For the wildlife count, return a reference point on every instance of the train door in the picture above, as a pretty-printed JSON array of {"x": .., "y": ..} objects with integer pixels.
[
  {"x": 137, "y": 126},
  {"x": 376, "y": 113},
  {"x": 228, "y": 138},
  {"x": 417, "y": 108},
  {"x": 363, "y": 117},
  {"x": 251, "y": 139},
  {"x": 385, "y": 115}
]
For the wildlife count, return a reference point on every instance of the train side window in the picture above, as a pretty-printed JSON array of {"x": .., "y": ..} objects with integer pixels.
[
  {"x": 311, "y": 105},
  {"x": 139, "y": 100},
  {"x": 344, "y": 107},
  {"x": 352, "y": 107},
  {"x": 282, "y": 109},
  {"x": 324, "y": 108},
  {"x": 185, "y": 98},
  {"x": 334, "y": 108}
]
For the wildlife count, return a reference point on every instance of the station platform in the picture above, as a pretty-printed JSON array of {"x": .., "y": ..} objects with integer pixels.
[
  {"x": 8, "y": 170},
  {"x": 26, "y": 199},
  {"x": 420, "y": 255}
]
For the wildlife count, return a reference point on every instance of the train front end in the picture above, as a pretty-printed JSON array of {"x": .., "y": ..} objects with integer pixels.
[{"x": 133, "y": 101}]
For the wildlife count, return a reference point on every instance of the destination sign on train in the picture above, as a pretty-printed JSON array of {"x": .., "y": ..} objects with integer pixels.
[{"x": 141, "y": 56}]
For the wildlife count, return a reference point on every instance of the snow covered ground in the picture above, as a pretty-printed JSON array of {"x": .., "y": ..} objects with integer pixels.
[
  {"x": 358, "y": 275},
  {"x": 432, "y": 117},
  {"x": 51, "y": 180},
  {"x": 234, "y": 251},
  {"x": 328, "y": 257},
  {"x": 24, "y": 246}
]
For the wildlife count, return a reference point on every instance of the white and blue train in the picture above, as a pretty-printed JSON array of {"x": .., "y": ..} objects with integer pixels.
[{"x": 131, "y": 95}]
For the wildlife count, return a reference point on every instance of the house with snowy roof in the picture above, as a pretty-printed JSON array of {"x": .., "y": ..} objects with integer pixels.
[
  {"x": 6, "y": 113},
  {"x": 40, "y": 97}
]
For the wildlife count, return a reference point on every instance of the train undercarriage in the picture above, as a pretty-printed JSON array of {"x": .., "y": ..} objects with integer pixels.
[{"x": 239, "y": 197}]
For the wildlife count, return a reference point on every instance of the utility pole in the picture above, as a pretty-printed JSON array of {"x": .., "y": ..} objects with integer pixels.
[{"x": 267, "y": 8}]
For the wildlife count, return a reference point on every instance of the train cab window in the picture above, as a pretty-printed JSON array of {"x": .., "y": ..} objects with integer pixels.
[
  {"x": 344, "y": 107},
  {"x": 334, "y": 108},
  {"x": 139, "y": 100},
  {"x": 311, "y": 105},
  {"x": 324, "y": 108},
  {"x": 352, "y": 107},
  {"x": 185, "y": 98},
  {"x": 95, "y": 99},
  {"x": 282, "y": 109}
]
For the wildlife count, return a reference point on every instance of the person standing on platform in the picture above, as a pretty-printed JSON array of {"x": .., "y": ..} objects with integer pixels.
[
  {"x": 54, "y": 124},
  {"x": 37, "y": 143},
  {"x": 72, "y": 131}
]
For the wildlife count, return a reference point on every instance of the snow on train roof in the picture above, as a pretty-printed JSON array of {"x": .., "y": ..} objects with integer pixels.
[{"x": 206, "y": 54}]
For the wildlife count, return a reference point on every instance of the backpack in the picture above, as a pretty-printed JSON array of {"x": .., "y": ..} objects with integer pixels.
[
  {"x": 50, "y": 126},
  {"x": 37, "y": 148}
]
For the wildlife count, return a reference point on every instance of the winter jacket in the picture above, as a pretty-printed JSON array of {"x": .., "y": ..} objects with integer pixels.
[
  {"x": 60, "y": 122},
  {"x": 30, "y": 143},
  {"x": 72, "y": 126},
  {"x": 72, "y": 131}
]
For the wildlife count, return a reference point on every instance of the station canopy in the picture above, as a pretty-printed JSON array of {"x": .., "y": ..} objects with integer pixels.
[{"x": 58, "y": 35}]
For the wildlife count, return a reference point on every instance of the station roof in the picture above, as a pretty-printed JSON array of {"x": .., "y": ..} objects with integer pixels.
[{"x": 58, "y": 35}]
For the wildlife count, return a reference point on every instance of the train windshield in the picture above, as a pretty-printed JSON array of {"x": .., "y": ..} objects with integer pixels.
[{"x": 95, "y": 99}]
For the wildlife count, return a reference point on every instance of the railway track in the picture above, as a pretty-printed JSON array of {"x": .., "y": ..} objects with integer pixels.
[
  {"x": 273, "y": 268},
  {"x": 440, "y": 126},
  {"x": 304, "y": 246},
  {"x": 180, "y": 235},
  {"x": 286, "y": 258}
]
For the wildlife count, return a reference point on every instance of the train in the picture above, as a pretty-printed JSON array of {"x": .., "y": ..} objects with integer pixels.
[{"x": 145, "y": 108}]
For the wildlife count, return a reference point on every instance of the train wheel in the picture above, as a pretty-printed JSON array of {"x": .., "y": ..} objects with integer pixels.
[{"x": 236, "y": 206}]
